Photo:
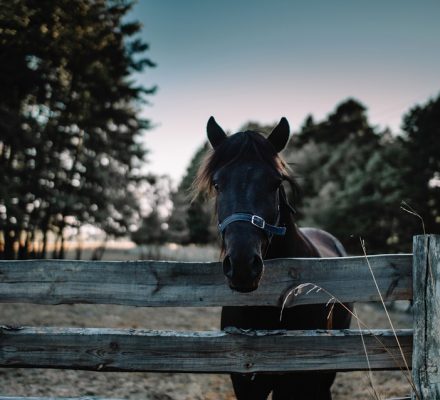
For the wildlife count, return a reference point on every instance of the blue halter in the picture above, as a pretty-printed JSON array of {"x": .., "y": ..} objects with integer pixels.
[
  {"x": 254, "y": 220},
  {"x": 258, "y": 221}
]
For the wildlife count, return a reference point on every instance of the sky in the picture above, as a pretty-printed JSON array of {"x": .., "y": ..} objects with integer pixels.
[{"x": 261, "y": 60}]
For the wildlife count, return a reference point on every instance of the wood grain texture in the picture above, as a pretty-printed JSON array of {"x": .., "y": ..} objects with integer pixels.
[
  {"x": 54, "y": 398},
  {"x": 426, "y": 354},
  {"x": 394, "y": 398},
  {"x": 159, "y": 283},
  {"x": 205, "y": 352}
]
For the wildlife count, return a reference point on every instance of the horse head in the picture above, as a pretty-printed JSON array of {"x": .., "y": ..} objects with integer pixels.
[{"x": 245, "y": 173}]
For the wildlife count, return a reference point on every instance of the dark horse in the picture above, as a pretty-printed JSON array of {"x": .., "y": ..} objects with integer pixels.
[{"x": 246, "y": 174}]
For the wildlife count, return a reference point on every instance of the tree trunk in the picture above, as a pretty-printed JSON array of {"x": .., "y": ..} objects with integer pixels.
[
  {"x": 100, "y": 250},
  {"x": 79, "y": 244},
  {"x": 9, "y": 253},
  {"x": 62, "y": 250},
  {"x": 23, "y": 246},
  {"x": 43, "y": 251}
]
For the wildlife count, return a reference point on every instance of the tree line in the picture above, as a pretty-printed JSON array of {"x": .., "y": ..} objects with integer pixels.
[
  {"x": 72, "y": 152},
  {"x": 71, "y": 148},
  {"x": 357, "y": 180}
]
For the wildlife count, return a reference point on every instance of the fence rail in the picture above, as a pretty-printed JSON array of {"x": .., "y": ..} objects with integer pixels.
[
  {"x": 180, "y": 284},
  {"x": 205, "y": 352}
]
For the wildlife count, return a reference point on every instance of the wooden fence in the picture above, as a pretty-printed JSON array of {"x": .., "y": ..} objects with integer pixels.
[{"x": 157, "y": 283}]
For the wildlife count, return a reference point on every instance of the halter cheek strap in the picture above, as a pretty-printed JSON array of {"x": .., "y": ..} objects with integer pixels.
[{"x": 254, "y": 220}]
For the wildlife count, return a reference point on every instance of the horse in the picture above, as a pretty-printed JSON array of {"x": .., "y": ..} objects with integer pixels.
[{"x": 245, "y": 173}]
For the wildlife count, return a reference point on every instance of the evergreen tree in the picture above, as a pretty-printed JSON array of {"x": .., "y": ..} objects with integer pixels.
[
  {"x": 153, "y": 197},
  {"x": 422, "y": 176},
  {"x": 150, "y": 231},
  {"x": 69, "y": 130},
  {"x": 192, "y": 220},
  {"x": 350, "y": 178},
  {"x": 257, "y": 127},
  {"x": 178, "y": 231}
]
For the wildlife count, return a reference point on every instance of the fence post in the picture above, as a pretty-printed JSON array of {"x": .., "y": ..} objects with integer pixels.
[{"x": 426, "y": 289}]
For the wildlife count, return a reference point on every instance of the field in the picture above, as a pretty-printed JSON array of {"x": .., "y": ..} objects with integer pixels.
[{"x": 165, "y": 386}]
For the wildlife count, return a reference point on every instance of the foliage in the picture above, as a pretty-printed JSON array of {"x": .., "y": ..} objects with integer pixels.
[
  {"x": 192, "y": 221},
  {"x": 422, "y": 173},
  {"x": 353, "y": 180},
  {"x": 178, "y": 231},
  {"x": 153, "y": 198},
  {"x": 70, "y": 132},
  {"x": 354, "y": 177},
  {"x": 151, "y": 230}
]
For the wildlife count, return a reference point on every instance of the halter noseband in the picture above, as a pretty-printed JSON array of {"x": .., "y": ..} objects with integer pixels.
[
  {"x": 254, "y": 220},
  {"x": 258, "y": 221}
]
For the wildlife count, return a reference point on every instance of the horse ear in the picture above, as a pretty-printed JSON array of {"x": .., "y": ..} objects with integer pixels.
[
  {"x": 280, "y": 135},
  {"x": 216, "y": 135}
]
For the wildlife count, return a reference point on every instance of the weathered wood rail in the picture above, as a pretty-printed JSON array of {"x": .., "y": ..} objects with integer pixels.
[
  {"x": 207, "y": 352},
  {"x": 161, "y": 283},
  {"x": 152, "y": 283}
]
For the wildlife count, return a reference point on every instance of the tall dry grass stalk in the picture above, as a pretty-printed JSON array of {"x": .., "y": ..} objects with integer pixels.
[
  {"x": 309, "y": 287},
  {"x": 298, "y": 290},
  {"x": 382, "y": 301},
  {"x": 411, "y": 211},
  {"x": 406, "y": 207},
  {"x": 374, "y": 393},
  {"x": 407, "y": 370}
]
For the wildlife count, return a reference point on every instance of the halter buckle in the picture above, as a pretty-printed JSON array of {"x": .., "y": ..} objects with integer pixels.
[{"x": 258, "y": 221}]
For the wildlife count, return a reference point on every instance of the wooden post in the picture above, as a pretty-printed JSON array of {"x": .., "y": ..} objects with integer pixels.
[{"x": 426, "y": 289}]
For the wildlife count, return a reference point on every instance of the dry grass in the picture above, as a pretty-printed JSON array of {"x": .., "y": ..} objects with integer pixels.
[
  {"x": 407, "y": 371},
  {"x": 165, "y": 386},
  {"x": 406, "y": 207},
  {"x": 312, "y": 287}
]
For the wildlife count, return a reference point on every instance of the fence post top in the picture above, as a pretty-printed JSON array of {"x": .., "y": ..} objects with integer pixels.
[
  {"x": 431, "y": 235},
  {"x": 427, "y": 234}
]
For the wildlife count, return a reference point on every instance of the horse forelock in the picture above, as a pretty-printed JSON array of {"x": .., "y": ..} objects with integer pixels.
[{"x": 237, "y": 147}]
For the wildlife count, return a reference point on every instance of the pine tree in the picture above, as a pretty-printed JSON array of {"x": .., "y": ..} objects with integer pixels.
[
  {"x": 422, "y": 175},
  {"x": 192, "y": 220},
  {"x": 350, "y": 177},
  {"x": 70, "y": 129}
]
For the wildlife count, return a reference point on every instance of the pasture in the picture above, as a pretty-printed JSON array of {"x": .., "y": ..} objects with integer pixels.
[{"x": 118, "y": 190}]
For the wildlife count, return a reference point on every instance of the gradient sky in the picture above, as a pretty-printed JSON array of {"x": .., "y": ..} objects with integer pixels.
[{"x": 260, "y": 60}]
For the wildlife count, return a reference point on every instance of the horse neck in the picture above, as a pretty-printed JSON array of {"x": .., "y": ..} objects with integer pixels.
[{"x": 292, "y": 244}]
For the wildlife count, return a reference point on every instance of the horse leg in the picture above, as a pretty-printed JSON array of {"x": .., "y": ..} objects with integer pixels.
[
  {"x": 304, "y": 386},
  {"x": 252, "y": 386}
]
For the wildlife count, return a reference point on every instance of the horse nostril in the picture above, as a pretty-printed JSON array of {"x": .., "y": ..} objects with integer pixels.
[{"x": 227, "y": 267}]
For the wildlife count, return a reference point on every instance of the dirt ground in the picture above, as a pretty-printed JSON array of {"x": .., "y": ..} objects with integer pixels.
[
  {"x": 164, "y": 386},
  {"x": 151, "y": 386}
]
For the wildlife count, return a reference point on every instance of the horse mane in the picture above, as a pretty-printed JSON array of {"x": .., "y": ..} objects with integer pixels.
[{"x": 239, "y": 146}]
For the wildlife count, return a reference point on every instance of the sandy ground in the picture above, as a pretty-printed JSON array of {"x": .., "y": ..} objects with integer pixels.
[
  {"x": 149, "y": 386},
  {"x": 164, "y": 386}
]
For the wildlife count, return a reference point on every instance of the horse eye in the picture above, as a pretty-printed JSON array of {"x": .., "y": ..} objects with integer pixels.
[{"x": 216, "y": 186}]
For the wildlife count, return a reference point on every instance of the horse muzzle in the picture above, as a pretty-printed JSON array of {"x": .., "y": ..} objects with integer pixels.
[{"x": 243, "y": 273}]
